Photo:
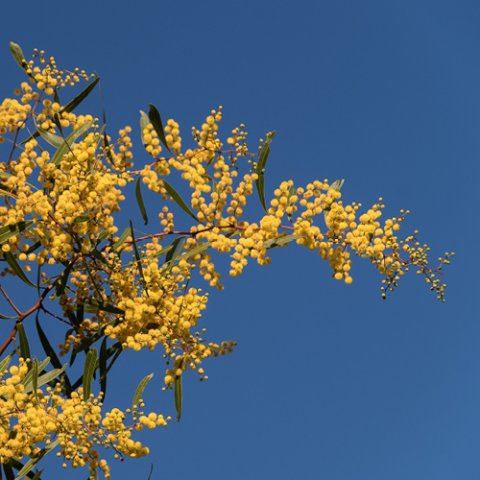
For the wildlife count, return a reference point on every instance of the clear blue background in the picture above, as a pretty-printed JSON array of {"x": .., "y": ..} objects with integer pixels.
[{"x": 328, "y": 381}]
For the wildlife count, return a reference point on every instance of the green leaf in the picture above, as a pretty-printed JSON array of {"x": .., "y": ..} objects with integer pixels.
[
  {"x": 46, "y": 378},
  {"x": 52, "y": 139},
  {"x": 11, "y": 230},
  {"x": 72, "y": 104},
  {"x": 178, "y": 199},
  {"x": 17, "y": 53},
  {"x": 30, "y": 465},
  {"x": 102, "y": 365},
  {"x": 144, "y": 121},
  {"x": 281, "y": 241},
  {"x": 95, "y": 253},
  {"x": 89, "y": 370},
  {"x": 66, "y": 146},
  {"x": 156, "y": 120},
  {"x": 121, "y": 240},
  {"x": 260, "y": 169},
  {"x": 178, "y": 396},
  {"x": 63, "y": 279},
  {"x": 140, "y": 389},
  {"x": 6, "y": 317},
  {"x": 174, "y": 249},
  {"x": 12, "y": 262},
  {"x": 8, "y": 469},
  {"x": 137, "y": 258},
  {"x": 4, "y": 364},
  {"x": 28, "y": 380},
  {"x": 23, "y": 341},
  {"x": 105, "y": 307},
  {"x": 51, "y": 354},
  {"x": 35, "y": 376},
  {"x": 141, "y": 205}
]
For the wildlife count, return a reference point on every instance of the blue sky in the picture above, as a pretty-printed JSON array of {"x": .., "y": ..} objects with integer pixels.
[{"x": 328, "y": 381}]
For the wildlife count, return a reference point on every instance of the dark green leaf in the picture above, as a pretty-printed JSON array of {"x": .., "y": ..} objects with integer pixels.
[
  {"x": 23, "y": 341},
  {"x": 99, "y": 256},
  {"x": 174, "y": 247},
  {"x": 63, "y": 279},
  {"x": 178, "y": 199},
  {"x": 105, "y": 307},
  {"x": 6, "y": 317},
  {"x": 70, "y": 106},
  {"x": 141, "y": 205},
  {"x": 50, "y": 352},
  {"x": 178, "y": 396},
  {"x": 156, "y": 120},
  {"x": 8, "y": 469},
  {"x": 137, "y": 258},
  {"x": 89, "y": 370},
  {"x": 140, "y": 389}
]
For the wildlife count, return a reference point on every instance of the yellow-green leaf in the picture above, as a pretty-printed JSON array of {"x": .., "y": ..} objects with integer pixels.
[{"x": 140, "y": 389}]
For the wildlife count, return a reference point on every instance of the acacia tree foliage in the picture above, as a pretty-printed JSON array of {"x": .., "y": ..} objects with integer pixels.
[{"x": 111, "y": 290}]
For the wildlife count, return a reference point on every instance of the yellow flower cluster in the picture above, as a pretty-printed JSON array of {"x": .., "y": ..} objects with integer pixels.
[
  {"x": 31, "y": 420},
  {"x": 61, "y": 189}
]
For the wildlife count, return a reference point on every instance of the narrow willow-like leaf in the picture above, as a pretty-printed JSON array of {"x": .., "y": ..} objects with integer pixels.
[
  {"x": 28, "y": 379},
  {"x": 260, "y": 183},
  {"x": 174, "y": 249},
  {"x": 140, "y": 389},
  {"x": 75, "y": 102},
  {"x": 89, "y": 370},
  {"x": 178, "y": 199},
  {"x": 156, "y": 120},
  {"x": 178, "y": 396},
  {"x": 30, "y": 465},
  {"x": 63, "y": 279},
  {"x": 6, "y": 317},
  {"x": 38, "y": 475},
  {"x": 11, "y": 230},
  {"x": 69, "y": 141},
  {"x": 18, "y": 466},
  {"x": 12, "y": 262},
  {"x": 46, "y": 378},
  {"x": 116, "y": 245},
  {"x": 35, "y": 376},
  {"x": 102, "y": 366},
  {"x": 141, "y": 204},
  {"x": 144, "y": 121},
  {"x": 51, "y": 354},
  {"x": 105, "y": 307},
  {"x": 17, "y": 53},
  {"x": 23, "y": 341},
  {"x": 95, "y": 253},
  {"x": 281, "y": 241},
  {"x": 8, "y": 469},
  {"x": 260, "y": 169},
  {"x": 51, "y": 138},
  {"x": 4, "y": 364},
  {"x": 137, "y": 258}
]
